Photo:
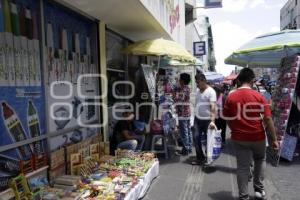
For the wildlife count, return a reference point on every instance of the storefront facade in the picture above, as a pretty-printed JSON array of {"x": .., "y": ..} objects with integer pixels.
[{"x": 89, "y": 37}]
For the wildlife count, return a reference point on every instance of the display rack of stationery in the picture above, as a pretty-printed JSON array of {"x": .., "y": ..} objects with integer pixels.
[{"x": 127, "y": 176}]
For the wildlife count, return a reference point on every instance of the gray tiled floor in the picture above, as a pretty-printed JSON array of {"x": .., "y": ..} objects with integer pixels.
[{"x": 179, "y": 180}]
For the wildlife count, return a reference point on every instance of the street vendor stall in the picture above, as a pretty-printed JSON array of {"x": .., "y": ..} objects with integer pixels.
[
  {"x": 162, "y": 75},
  {"x": 127, "y": 176},
  {"x": 214, "y": 77}
]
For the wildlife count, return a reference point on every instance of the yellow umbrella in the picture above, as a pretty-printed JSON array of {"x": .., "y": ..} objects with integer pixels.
[{"x": 160, "y": 47}]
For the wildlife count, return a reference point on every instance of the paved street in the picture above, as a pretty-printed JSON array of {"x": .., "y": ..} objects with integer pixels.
[{"x": 179, "y": 180}]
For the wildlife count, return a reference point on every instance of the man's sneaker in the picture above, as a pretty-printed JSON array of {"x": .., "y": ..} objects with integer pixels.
[{"x": 260, "y": 195}]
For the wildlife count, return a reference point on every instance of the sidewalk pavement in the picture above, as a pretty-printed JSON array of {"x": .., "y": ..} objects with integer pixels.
[{"x": 179, "y": 180}]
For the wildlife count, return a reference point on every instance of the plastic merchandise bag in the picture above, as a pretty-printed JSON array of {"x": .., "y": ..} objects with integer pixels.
[{"x": 212, "y": 146}]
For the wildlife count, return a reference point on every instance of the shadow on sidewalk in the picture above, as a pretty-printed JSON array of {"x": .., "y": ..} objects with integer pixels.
[
  {"x": 225, "y": 169},
  {"x": 221, "y": 195},
  {"x": 220, "y": 168}
]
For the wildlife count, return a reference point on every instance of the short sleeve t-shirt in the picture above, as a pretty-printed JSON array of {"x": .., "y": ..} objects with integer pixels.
[
  {"x": 203, "y": 101},
  {"x": 182, "y": 100},
  {"x": 243, "y": 110}
]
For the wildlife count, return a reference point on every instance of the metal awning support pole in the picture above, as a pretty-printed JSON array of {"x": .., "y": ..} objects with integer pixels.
[{"x": 156, "y": 90}]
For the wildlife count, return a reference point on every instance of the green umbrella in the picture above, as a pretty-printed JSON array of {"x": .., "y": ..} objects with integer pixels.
[{"x": 266, "y": 50}]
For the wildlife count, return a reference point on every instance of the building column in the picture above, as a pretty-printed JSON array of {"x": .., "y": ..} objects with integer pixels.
[{"x": 103, "y": 83}]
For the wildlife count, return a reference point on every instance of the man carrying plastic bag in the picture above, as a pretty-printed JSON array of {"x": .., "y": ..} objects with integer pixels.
[
  {"x": 204, "y": 117},
  {"x": 212, "y": 147}
]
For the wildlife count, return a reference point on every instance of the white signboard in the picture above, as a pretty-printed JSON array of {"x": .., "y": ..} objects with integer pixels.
[{"x": 199, "y": 48}]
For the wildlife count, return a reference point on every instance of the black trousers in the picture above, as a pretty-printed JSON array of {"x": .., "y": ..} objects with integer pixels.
[
  {"x": 199, "y": 136},
  {"x": 221, "y": 125}
]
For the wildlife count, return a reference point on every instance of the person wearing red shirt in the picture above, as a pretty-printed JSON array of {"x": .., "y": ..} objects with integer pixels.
[{"x": 245, "y": 111}]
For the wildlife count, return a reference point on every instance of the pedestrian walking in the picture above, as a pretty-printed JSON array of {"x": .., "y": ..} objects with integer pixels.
[
  {"x": 204, "y": 115},
  {"x": 220, "y": 122},
  {"x": 182, "y": 102},
  {"x": 243, "y": 110}
]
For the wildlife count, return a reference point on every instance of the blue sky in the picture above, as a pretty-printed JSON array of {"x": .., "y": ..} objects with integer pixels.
[{"x": 238, "y": 22}]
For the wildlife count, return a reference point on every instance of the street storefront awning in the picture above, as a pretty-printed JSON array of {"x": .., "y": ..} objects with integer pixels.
[
  {"x": 214, "y": 77},
  {"x": 160, "y": 47},
  {"x": 172, "y": 62},
  {"x": 266, "y": 50},
  {"x": 129, "y": 18}
]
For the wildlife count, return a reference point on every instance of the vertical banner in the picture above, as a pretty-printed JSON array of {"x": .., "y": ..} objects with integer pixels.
[
  {"x": 22, "y": 109},
  {"x": 71, "y": 49}
]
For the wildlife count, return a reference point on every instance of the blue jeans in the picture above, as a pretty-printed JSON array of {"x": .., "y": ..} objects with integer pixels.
[
  {"x": 186, "y": 134},
  {"x": 200, "y": 136},
  {"x": 140, "y": 141},
  {"x": 128, "y": 144}
]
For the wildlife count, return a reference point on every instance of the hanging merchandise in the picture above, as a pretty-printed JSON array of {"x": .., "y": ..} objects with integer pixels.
[
  {"x": 3, "y": 78},
  {"x": 29, "y": 34},
  {"x": 282, "y": 101},
  {"x": 50, "y": 52},
  {"x": 36, "y": 50},
  {"x": 24, "y": 47},
  {"x": 19, "y": 74},
  {"x": 150, "y": 80},
  {"x": 9, "y": 45}
]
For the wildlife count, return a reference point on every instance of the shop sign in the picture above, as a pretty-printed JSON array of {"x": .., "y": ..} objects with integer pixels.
[
  {"x": 213, "y": 4},
  {"x": 199, "y": 48}
]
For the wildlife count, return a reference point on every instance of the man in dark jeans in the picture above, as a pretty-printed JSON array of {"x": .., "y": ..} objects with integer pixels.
[
  {"x": 199, "y": 131},
  {"x": 205, "y": 115}
]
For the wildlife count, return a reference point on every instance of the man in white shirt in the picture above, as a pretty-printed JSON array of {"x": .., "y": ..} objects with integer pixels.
[{"x": 204, "y": 115}]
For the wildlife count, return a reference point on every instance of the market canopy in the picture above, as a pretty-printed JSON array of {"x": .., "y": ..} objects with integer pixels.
[
  {"x": 231, "y": 77},
  {"x": 160, "y": 47},
  {"x": 213, "y": 77},
  {"x": 171, "y": 62},
  {"x": 266, "y": 50}
]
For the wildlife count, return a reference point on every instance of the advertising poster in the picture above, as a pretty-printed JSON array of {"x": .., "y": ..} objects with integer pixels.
[
  {"x": 21, "y": 93},
  {"x": 73, "y": 137},
  {"x": 71, "y": 51}
]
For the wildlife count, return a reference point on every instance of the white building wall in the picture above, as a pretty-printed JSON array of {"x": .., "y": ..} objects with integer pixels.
[
  {"x": 196, "y": 32},
  {"x": 290, "y": 15},
  {"x": 171, "y": 15}
]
